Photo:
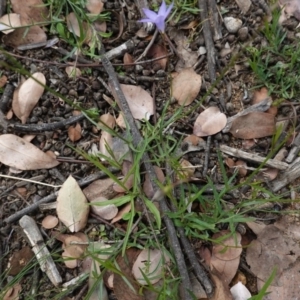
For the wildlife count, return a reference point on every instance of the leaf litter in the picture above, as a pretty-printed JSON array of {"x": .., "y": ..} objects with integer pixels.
[{"x": 223, "y": 258}]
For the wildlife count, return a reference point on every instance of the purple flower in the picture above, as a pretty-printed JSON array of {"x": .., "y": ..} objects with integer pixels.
[{"x": 158, "y": 18}]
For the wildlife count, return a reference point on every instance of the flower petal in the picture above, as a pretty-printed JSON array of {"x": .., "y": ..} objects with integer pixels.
[
  {"x": 162, "y": 9},
  {"x": 150, "y": 14},
  {"x": 169, "y": 9},
  {"x": 160, "y": 23}
]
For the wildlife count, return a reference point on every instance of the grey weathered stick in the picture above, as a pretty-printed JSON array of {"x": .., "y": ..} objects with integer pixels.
[
  {"x": 209, "y": 43},
  {"x": 261, "y": 106},
  {"x": 36, "y": 128},
  {"x": 290, "y": 175},
  {"x": 295, "y": 150},
  {"x": 273, "y": 163},
  {"x": 138, "y": 141},
  {"x": 40, "y": 250}
]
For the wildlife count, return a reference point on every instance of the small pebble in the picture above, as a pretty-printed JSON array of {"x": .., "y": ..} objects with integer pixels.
[
  {"x": 243, "y": 34},
  {"x": 232, "y": 24}
]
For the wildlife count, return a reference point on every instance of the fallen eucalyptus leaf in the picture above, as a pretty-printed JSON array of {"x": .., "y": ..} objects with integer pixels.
[
  {"x": 72, "y": 208},
  {"x": 20, "y": 154}
]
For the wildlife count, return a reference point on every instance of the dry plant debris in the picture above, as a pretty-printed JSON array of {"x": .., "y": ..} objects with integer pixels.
[{"x": 168, "y": 194}]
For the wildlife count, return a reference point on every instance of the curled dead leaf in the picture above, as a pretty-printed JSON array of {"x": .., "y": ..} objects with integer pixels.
[
  {"x": 9, "y": 22},
  {"x": 74, "y": 132},
  {"x": 225, "y": 257},
  {"x": 149, "y": 262},
  {"x": 73, "y": 71},
  {"x": 107, "y": 212},
  {"x": 140, "y": 102},
  {"x": 49, "y": 222},
  {"x": 209, "y": 122},
  {"x": 28, "y": 96},
  {"x": 95, "y": 7},
  {"x": 186, "y": 86},
  {"x": 79, "y": 29},
  {"x": 25, "y": 36}
]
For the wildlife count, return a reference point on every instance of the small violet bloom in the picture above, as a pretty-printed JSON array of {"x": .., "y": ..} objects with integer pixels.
[{"x": 158, "y": 18}]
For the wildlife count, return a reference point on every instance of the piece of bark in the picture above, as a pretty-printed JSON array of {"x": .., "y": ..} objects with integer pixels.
[
  {"x": 40, "y": 249},
  {"x": 295, "y": 150},
  {"x": 290, "y": 175},
  {"x": 274, "y": 163}
]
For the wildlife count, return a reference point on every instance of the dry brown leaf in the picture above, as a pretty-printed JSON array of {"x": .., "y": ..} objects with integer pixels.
[
  {"x": 261, "y": 95},
  {"x": 3, "y": 81},
  {"x": 105, "y": 144},
  {"x": 222, "y": 291},
  {"x": 270, "y": 173},
  {"x": 150, "y": 262},
  {"x": 108, "y": 120},
  {"x": 9, "y": 22},
  {"x": 140, "y": 102},
  {"x": 69, "y": 261},
  {"x": 72, "y": 208},
  {"x": 100, "y": 188},
  {"x": 74, "y": 27},
  {"x": 18, "y": 153},
  {"x": 24, "y": 36},
  {"x": 147, "y": 186},
  {"x": 210, "y": 122},
  {"x": 225, "y": 257},
  {"x": 157, "y": 51},
  {"x": 244, "y": 5},
  {"x": 72, "y": 71},
  {"x": 272, "y": 248},
  {"x": 127, "y": 180},
  {"x": 19, "y": 260},
  {"x": 120, "y": 121},
  {"x": 106, "y": 140},
  {"x": 28, "y": 96},
  {"x": 254, "y": 125},
  {"x": 186, "y": 86},
  {"x": 126, "y": 209},
  {"x": 74, "y": 132},
  {"x": 128, "y": 60},
  {"x": 75, "y": 245},
  {"x": 241, "y": 167},
  {"x": 95, "y": 7},
  {"x": 290, "y": 8},
  {"x": 31, "y": 11},
  {"x": 188, "y": 58},
  {"x": 107, "y": 212},
  {"x": 122, "y": 289},
  {"x": 13, "y": 292},
  {"x": 49, "y": 222},
  {"x": 289, "y": 288}
]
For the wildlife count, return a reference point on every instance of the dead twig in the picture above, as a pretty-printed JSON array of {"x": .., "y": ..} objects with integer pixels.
[
  {"x": 137, "y": 141},
  {"x": 209, "y": 43},
  {"x": 273, "y": 163},
  {"x": 38, "y": 128}
]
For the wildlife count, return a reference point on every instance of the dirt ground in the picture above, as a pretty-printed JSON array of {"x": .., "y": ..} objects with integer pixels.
[{"x": 48, "y": 128}]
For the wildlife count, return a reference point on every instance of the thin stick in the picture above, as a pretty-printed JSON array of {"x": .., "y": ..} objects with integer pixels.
[
  {"x": 138, "y": 141},
  {"x": 209, "y": 43},
  {"x": 29, "y": 180},
  {"x": 37, "y": 128}
]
